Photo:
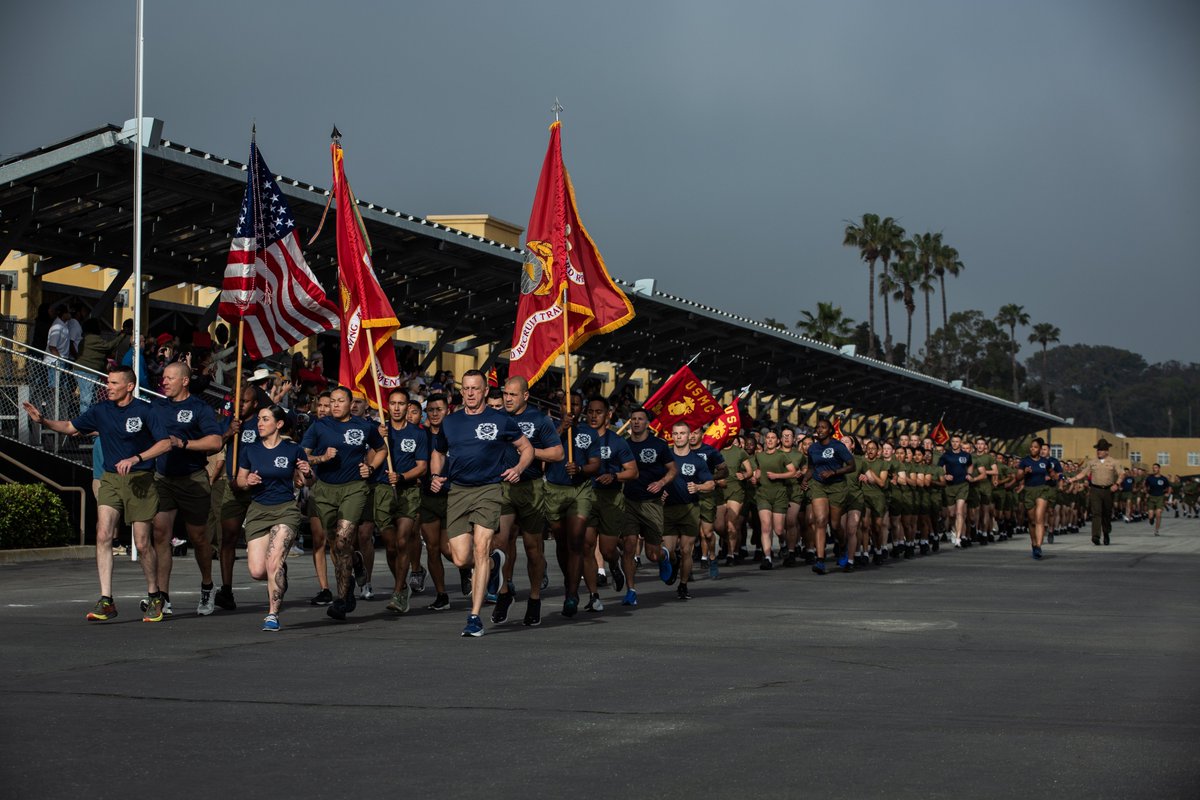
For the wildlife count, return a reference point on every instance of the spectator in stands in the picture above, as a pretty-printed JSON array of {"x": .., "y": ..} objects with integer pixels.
[
  {"x": 224, "y": 356},
  {"x": 95, "y": 350},
  {"x": 58, "y": 343},
  {"x": 313, "y": 373},
  {"x": 75, "y": 327}
]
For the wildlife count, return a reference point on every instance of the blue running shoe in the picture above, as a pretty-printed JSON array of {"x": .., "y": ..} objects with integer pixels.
[
  {"x": 1037, "y": 554},
  {"x": 570, "y": 606},
  {"x": 665, "y": 568},
  {"x": 819, "y": 567},
  {"x": 630, "y": 598},
  {"x": 496, "y": 574},
  {"x": 474, "y": 626},
  {"x": 713, "y": 571},
  {"x": 843, "y": 561},
  {"x": 270, "y": 622}
]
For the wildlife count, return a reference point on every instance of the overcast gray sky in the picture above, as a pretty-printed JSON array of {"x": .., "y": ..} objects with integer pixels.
[{"x": 718, "y": 147}]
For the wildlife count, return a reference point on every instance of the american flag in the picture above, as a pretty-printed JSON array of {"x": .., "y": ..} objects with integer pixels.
[{"x": 267, "y": 281}]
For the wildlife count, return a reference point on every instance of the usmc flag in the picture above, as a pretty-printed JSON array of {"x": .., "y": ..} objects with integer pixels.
[
  {"x": 939, "y": 435},
  {"x": 683, "y": 398},
  {"x": 724, "y": 427},
  {"x": 560, "y": 257}
]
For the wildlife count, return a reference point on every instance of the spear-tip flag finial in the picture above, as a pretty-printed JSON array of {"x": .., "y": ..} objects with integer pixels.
[
  {"x": 336, "y": 135},
  {"x": 557, "y": 108}
]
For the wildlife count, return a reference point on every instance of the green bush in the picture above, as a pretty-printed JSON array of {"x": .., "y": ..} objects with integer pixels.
[{"x": 32, "y": 516}]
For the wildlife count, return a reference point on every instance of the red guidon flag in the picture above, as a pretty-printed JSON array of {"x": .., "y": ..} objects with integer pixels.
[
  {"x": 367, "y": 316},
  {"x": 939, "y": 435},
  {"x": 683, "y": 398},
  {"x": 560, "y": 256},
  {"x": 724, "y": 427},
  {"x": 267, "y": 283}
]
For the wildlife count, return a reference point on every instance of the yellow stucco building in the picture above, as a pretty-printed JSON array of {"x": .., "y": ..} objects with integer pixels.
[{"x": 1177, "y": 455}]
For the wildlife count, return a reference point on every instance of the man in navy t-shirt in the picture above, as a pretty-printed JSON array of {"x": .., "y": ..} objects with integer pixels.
[
  {"x": 643, "y": 502},
  {"x": 471, "y": 454},
  {"x": 132, "y": 439},
  {"x": 956, "y": 462},
  {"x": 606, "y": 521},
  {"x": 681, "y": 506}
]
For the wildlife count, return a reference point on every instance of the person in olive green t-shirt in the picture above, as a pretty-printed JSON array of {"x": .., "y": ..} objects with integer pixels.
[
  {"x": 983, "y": 464},
  {"x": 772, "y": 468},
  {"x": 729, "y": 523},
  {"x": 795, "y": 487},
  {"x": 873, "y": 480}
]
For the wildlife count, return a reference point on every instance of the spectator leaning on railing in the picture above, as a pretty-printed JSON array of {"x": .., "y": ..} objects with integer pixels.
[{"x": 95, "y": 350}]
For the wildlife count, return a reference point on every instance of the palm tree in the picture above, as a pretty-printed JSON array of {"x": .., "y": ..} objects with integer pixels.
[
  {"x": 907, "y": 274},
  {"x": 1045, "y": 333},
  {"x": 1010, "y": 316},
  {"x": 891, "y": 242},
  {"x": 870, "y": 236},
  {"x": 926, "y": 286},
  {"x": 946, "y": 262},
  {"x": 828, "y": 325},
  {"x": 774, "y": 323}
]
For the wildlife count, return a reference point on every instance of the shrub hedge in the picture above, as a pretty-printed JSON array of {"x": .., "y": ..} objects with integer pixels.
[{"x": 32, "y": 516}]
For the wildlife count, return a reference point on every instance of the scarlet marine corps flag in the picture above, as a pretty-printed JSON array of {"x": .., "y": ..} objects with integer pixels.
[
  {"x": 837, "y": 428},
  {"x": 724, "y": 427},
  {"x": 367, "y": 316},
  {"x": 560, "y": 257},
  {"x": 939, "y": 435},
  {"x": 683, "y": 398}
]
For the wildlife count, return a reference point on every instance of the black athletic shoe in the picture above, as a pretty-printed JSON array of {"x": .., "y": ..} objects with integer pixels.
[
  {"x": 349, "y": 602},
  {"x": 360, "y": 569},
  {"x": 500, "y": 612},
  {"x": 224, "y": 598},
  {"x": 766, "y": 564},
  {"x": 618, "y": 574},
  {"x": 602, "y": 579},
  {"x": 440, "y": 603},
  {"x": 758, "y": 555},
  {"x": 790, "y": 559},
  {"x": 729, "y": 561},
  {"x": 935, "y": 544},
  {"x": 337, "y": 610},
  {"x": 908, "y": 550},
  {"x": 674, "y": 570},
  {"x": 924, "y": 548},
  {"x": 464, "y": 581},
  {"x": 322, "y": 598},
  {"x": 682, "y": 592},
  {"x": 877, "y": 559},
  {"x": 810, "y": 557},
  {"x": 533, "y": 613}
]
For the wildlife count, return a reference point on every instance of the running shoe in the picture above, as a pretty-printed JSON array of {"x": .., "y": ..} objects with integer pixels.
[
  {"x": 1106, "y": 538},
  {"x": 1050, "y": 538},
  {"x": 367, "y": 592},
  {"x": 154, "y": 609},
  {"x": 533, "y": 613},
  {"x": 296, "y": 550},
  {"x": 666, "y": 571},
  {"x": 819, "y": 567},
  {"x": 512, "y": 589},
  {"x": 843, "y": 561},
  {"x": 630, "y": 598},
  {"x": 601, "y": 578},
  {"x": 224, "y": 598},
  {"x": 500, "y": 612},
  {"x": 758, "y": 554},
  {"x": 474, "y": 626},
  {"x": 337, "y": 610},
  {"x": 934, "y": 544},
  {"x": 416, "y": 581},
  {"x": 496, "y": 574},
  {"x": 359, "y": 567},
  {"x": 464, "y": 581},
  {"x": 789, "y": 560},
  {"x": 1096, "y": 540},
  {"x": 399, "y": 604},
  {"x": 618, "y": 574},
  {"x": 570, "y": 606},
  {"x": 714, "y": 571},
  {"x": 924, "y": 548},
  {"x": 271, "y": 622},
  {"x": 674, "y": 570},
  {"x": 167, "y": 612},
  {"x": 682, "y": 592},
  {"x": 348, "y": 601},
  {"x": 729, "y": 561},
  {"x": 595, "y": 604},
  {"x": 205, "y": 606},
  {"x": 440, "y": 603},
  {"x": 104, "y": 610},
  {"x": 322, "y": 598},
  {"x": 766, "y": 564},
  {"x": 1037, "y": 554},
  {"x": 545, "y": 580}
]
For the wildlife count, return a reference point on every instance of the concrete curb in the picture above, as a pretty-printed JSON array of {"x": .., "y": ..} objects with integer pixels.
[{"x": 69, "y": 552}]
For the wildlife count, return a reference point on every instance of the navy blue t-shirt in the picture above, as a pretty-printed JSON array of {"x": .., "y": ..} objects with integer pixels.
[
  {"x": 692, "y": 468},
  {"x": 434, "y": 441},
  {"x": 125, "y": 430},
  {"x": 957, "y": 466},
  {"x": 614, "y": 455},
  {"x": 276, "y": 466},
  {"x": 1038, "y": 469},
  {"x": 1055, "y": 465},
  {"x": 652, "y": 457},
  {"x": 586, "y": 446},
  {"x": 246, "y": 436},
  {"x": 1127, "y": 483},
  {"x": 1156, "y": 485},
  {"x": 541, "y": 432},
  {"x": 188, "y": 419},
  {"x": 828, "y": 457},
  {"x": 352, "y": 439},
  {"x": 409, "y": 445},
  {"x": 711, "y": 455},
  {"x": 476, "y": 445}
]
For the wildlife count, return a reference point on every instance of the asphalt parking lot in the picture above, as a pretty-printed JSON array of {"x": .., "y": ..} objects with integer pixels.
[{"x": 976, "y": 673}]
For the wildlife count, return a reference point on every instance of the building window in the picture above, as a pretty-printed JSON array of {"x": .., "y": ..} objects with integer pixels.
[
  {"x": 1194, "y": 459},
  {"x": 1164, "y": 459},
  {"x": 1056, "y": 451},
  {"x": 1135, "y": 457}
]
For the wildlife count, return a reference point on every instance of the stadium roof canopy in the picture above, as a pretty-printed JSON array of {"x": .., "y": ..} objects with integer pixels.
[{"x": 72, "y": 203}]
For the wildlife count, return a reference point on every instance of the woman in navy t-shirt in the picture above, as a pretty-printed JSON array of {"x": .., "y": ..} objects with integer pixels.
[
  {"x": 1039, "y": 478},
  {"x": 271, "y": 468}
]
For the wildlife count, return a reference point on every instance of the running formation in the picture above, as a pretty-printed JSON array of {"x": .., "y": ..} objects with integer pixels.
[{"x": 467, "y": 485}]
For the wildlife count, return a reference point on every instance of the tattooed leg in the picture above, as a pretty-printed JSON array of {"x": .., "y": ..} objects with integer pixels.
[
  {"x": 279, "y": 542},
  {"x": 343, "y": 549}
]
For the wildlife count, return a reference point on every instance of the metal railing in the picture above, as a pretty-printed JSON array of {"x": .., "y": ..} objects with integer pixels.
[{"x": 58, "y": 487}]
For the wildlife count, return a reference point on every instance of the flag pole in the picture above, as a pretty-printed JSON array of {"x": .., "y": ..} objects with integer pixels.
[
  {"x": 237, "y": 394},
  {"x": 567, "y": 372},
  {"x": 383, "y": 412}
]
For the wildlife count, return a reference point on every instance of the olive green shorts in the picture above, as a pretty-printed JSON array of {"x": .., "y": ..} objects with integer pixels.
[
  {"x": 190, "y": 494},
  {"x": 837, "y": 493},
  {"x": 471, "y": 506},
  {"x": 381, "y": 507},
  {"x": 875, "y": 502},
  {"x": 260, "y": 519},
  {"x": 953, "y": 492},
  {"x": 644, "y": 518},
  {"x": 772, "y": 497},
  {"x": 682, "y": 519},
  {"x": 708, "y": 507},
  {"x": 987, "y": 492},
  {"x": 340, "y": 501},
  {"x": 134, "y": 495},
  {"x": 433, "y": 508},
  {"x": 568, "y": 501},
  {"x": 408, "y": 502},
  {"x": 718, "y": 495},
  {"x": 734, "y": 492},
  {"x": 1155, "y": 503},
  {"x": 1035, "y": 493},
  {"x": 235, "y": 502},
  {"x": 608, "y": 512},
  {"x": 527, "y": 501},
  {"x": 1124, "y": 497}
]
